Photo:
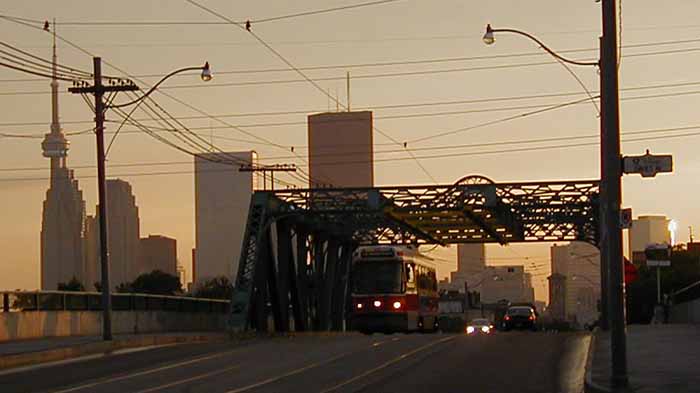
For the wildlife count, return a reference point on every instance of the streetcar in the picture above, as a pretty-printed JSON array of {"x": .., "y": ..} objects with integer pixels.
[{"x": 394, "y": 289}]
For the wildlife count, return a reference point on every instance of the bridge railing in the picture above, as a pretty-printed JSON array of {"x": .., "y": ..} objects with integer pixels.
[{"x": 20, "y": 301}]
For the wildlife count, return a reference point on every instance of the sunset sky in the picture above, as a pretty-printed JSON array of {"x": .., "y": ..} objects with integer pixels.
[{"x": 659, "y": 82}]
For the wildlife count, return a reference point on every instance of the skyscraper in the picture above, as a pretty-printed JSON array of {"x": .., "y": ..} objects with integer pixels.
[
  {"x": 62, "y": 224},
  {"x": 341, "y": 149},
  {"x": 123, "y": 236},
  {"x": 222, "y": 200},
  {"x": 575, "y": 282}
]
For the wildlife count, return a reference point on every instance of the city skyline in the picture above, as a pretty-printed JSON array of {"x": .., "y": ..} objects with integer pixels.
[{"x": 457, "y": 36}]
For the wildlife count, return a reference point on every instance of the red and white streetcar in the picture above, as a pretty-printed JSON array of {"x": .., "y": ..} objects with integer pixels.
[{"x": 394, "y": 289}]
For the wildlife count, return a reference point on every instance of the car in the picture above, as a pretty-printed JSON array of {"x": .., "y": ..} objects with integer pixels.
[
  {"x": 479, "y": 326},
  {"x": 520, "y": 317}
]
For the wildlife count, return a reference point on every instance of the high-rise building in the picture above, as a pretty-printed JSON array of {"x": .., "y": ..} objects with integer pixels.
[
  {"x": 341, "y": 149},
  {"x": 575, "y": 282},
  {"x": 158, "y": 253},
  {"x": 647, "y": 230},
  {"x": 64, "y": 208},
  {"x": 123, "y": 235},
  {"x": 222, "y": 201},
  {"x": 471, "y": 263},
  {"x": 91, "y": 253}
]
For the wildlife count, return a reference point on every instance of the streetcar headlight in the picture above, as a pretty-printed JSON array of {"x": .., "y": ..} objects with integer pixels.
[
  {"x": 470, "y": 329},
  {"x": 377, "y": 303},
  {"x": 359, "y": 306},
  {"x": 397, "y": 305}
]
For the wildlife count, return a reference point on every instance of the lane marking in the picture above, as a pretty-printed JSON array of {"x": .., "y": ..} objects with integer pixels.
[
  {"x": 105, "y": 354},
  {"x": 146, "y": 372},
  {"x": 387, "y": 364},
  {"x": 186, "y": 380},
  {"x": 300, "y": 370}
]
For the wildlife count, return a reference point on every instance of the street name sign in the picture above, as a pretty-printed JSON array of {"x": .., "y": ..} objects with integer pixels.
[{"x": 648, "y": 165}]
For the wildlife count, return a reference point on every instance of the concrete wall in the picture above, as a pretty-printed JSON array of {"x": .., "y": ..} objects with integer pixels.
[
  {"x": 688, "y": 312},
  {"x": 36, "y": 324}
]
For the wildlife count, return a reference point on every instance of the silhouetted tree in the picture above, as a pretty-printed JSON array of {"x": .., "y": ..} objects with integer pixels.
[
  {"x": 216, "y": 288},
  {"x": 72, "y": 285},
  {"x": 155, "y": 282}
]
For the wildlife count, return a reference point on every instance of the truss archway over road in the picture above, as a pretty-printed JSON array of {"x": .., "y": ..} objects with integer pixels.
[{"x": 298, "y": 243}]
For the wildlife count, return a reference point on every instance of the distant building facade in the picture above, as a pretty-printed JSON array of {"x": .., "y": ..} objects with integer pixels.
[
  {"x": 341, "y": 149},
  {"x": 507, "y": 282},
  {"x": 575, "y": 282},
  {"x": 158, "y": 253},
  {"x": 222, "y": 201},
  {"x": 62, "y": 223},
  {"x": 471, "y": 263},
  {"x": 123, "y": 236},
  {"x": 647, "y": 230}
]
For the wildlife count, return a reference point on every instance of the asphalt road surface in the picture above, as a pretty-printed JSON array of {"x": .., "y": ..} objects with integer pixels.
[{"x": 400, "y": 363}]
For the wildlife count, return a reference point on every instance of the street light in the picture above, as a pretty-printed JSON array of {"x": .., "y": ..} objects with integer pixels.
[
  {"x": 610, "y": 239},
  {"x": 98, "y": 90}
]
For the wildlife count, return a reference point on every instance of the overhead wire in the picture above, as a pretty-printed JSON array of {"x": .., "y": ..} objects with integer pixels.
[{"x": 247, "y": 28}]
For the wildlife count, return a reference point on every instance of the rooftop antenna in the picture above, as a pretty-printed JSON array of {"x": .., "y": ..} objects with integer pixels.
[{"x": 347, "y": 86}]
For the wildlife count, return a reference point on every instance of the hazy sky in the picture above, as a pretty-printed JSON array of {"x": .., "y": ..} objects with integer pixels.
[{"x": 663, "y": 48}]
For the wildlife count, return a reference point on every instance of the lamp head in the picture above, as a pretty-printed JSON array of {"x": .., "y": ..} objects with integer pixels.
[
  {"x": 488, "y": 37},
  {"x": 206, "y": 72}
]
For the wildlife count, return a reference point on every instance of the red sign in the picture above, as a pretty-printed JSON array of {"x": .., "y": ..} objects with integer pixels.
[{"x": 631, "y": 273}]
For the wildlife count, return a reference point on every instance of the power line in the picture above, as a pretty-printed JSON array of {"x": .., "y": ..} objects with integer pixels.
[
  {"x": 247, "y": 28},
  {"x": 503, "y": 151}
]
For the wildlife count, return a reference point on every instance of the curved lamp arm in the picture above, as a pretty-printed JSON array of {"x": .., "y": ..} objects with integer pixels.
[
  {"x": 489, "y": 39},
  {"x": 206, "y": 76}
]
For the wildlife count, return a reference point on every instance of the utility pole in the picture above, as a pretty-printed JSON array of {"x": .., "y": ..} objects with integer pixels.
[
  {"x": 98, "y": 90},
  {"x": 611, "y": 178},
  {"x": 268, "y": 168}
]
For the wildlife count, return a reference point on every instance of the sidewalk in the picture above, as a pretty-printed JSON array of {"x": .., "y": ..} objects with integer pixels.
[
  {"x": 660, "y": 358},
  {"x": 29, "y": 352}
]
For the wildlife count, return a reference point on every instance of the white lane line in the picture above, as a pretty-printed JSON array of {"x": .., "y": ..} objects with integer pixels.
[
  {"x": 299, "y": 370},
  {"x": 146, "y": 372},
  {"x": 387, "y": 364},
  {"x": 187, "y": 380}
]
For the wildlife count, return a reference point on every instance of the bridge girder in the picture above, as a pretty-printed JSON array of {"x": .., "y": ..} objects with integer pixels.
[{"x": 298, "y": 243}]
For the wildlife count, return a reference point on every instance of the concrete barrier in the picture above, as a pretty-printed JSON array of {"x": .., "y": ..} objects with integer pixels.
[
  {"x": 688, "y": 312},
  {"x": 39, "y": 324}
]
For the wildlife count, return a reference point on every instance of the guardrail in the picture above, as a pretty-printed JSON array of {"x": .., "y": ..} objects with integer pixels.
[{"x": 20, "y": 301}]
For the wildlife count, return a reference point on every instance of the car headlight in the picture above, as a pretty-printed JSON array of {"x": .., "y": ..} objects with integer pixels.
[
  {"x": 485, "y": 329},
  {"x": 470, "y": 329}
]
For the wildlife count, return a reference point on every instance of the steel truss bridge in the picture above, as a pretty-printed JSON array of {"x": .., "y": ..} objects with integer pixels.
[{"x": 297, "y": 248}]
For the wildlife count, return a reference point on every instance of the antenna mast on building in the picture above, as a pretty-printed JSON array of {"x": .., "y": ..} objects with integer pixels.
[
  {"x": 690, "y": 229},
  {"x": 347, "y": 86}
]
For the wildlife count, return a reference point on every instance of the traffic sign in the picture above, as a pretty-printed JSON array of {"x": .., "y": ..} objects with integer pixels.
[
  {"x": 631, "y": 273},
  {"x": 626, "y": 218},
  {"x": 658, "y": 255},
  {"x": 648, "y": 165}
]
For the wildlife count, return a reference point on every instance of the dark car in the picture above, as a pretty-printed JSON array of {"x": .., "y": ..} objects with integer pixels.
[{"x": 520, "y": 317}]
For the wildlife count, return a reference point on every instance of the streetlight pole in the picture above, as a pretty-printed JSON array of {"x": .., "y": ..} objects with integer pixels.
[
  {"x": 612, "y": 287},
  {"x": 98, "y": 90}
]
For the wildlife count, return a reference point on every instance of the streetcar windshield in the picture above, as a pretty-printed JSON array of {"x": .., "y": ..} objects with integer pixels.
[{"x": 377, "y": 277}]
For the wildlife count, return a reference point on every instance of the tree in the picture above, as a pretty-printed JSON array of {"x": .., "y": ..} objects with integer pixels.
[
  {"x": 155, "y": 282},
  {"x": 216, "y": 288},
  {"x": 73, "y": 285}
]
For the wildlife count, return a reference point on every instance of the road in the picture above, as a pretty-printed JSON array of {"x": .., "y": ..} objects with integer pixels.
[{"x": 339, "y": 363}]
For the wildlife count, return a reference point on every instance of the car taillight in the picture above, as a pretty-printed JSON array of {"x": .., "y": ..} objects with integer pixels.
[
  {"x": 531, "y": 317},
  {"x": 507, "y": 318}
]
